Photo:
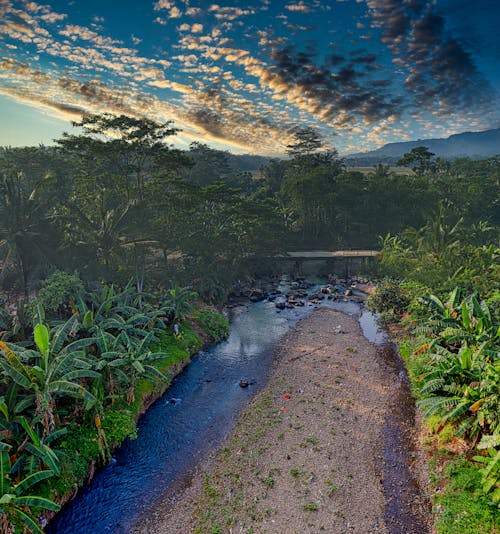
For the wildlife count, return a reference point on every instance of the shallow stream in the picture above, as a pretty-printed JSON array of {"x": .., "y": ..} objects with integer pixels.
[{"x": 191, "y": 419}]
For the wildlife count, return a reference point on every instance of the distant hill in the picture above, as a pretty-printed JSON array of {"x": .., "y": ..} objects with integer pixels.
[
  {"x": 471, "y": 144},
  {"x": 246, "y": 162}
]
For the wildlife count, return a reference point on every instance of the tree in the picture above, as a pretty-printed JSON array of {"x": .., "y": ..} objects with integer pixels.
[
  {"x": 128, "y": 166},
  {"x": 419, "y": 158},
  {"x": 24, "y": 222},
  {"x": 273, "y": 174},
  {"x": 307, "y": 141},
  {"x": 208, "y": 166}
]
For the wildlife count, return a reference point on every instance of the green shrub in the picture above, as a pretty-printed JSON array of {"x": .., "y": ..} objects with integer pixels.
[
  {"x": 390, "y": 299},
  {"x": 119, "y": 423},
  {"x": 214, "y": 324},
  {"x": 58, "y": 290}
]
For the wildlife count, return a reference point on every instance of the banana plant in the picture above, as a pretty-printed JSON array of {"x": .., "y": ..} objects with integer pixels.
[
  {"x": 459, "y": 321},
  {"x": 462, "y": 388},
  {"x": 38, "y": 451},
  {"x": 490, "y": 472},
  {"x": 178, "y": 300},
  {"x": 136, "y": 361},
  {"x": 54, "y": 370},
  {"x": 17, "y": 506}
]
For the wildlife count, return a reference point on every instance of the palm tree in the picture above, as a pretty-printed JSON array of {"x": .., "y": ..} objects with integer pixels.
[
  {"x": 23, "y": 223},
  {"x": 56, "y": 370}
]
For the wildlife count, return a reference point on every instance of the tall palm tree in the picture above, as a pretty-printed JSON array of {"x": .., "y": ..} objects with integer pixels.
[{"x": 23, "y": 222}]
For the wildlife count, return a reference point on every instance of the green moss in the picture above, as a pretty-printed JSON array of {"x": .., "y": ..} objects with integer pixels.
[
  {"x": 119, "y": 423},
  {"x": 446, "y": 434},
  {"x": 461, "y": 508},
  {"x": 76, "y": 451},
  {"x": 214, "y": 324}
]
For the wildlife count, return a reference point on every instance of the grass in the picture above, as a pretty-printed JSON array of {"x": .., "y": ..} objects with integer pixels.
[{"x": 461, "y": 509}]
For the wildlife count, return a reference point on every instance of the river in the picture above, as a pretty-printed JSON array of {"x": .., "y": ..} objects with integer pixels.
[{"x": 191, "y": 419}]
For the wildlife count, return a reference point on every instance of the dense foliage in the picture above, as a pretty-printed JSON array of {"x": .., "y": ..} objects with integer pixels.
[
  {"x": 453, "y": 354},
  {"x": 130, "y": 205},
  {"x": 78, "y": 383}
]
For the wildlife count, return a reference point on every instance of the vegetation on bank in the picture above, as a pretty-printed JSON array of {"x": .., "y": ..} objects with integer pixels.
[
  {"x": 75, "y": 381},
  {"x": 450, "y": 340}
]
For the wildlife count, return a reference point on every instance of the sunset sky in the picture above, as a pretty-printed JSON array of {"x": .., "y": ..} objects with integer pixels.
[{"x": 242, "y": 75}]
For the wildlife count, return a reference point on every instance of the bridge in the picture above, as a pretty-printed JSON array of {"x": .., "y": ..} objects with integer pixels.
[
  {"x": 341, "y": 261},
  {"x": 325, "y": 254}
]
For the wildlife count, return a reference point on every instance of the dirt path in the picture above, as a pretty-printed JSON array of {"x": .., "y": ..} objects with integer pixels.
[{"x": 315, "y": 451}]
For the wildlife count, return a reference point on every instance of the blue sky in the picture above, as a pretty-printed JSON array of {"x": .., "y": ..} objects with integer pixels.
[{"x": 243, "y": 75}]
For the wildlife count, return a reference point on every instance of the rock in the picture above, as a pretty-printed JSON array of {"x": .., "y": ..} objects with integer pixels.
[
  {"x": 347, "y": 292},
  {"x": 256, "y": 295},
  {"x": 280, "y": 304},
  {"x": 273, "y": 295}
]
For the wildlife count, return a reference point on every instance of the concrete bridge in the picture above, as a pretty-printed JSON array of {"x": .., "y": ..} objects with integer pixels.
[
  {"x": 344, "y": 262},
  {"x": 325, "y": 254}
]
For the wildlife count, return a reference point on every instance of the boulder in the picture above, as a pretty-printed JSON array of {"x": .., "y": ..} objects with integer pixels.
[
  {"x": 256, "y": 295},
  {"x": 280, "y": 303}
]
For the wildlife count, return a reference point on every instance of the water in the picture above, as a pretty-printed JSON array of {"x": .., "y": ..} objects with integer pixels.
[{"x": 192, "y": 418}]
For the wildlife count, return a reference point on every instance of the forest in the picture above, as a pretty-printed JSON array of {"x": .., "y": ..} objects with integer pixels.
[{"x": 112, "y": 237}]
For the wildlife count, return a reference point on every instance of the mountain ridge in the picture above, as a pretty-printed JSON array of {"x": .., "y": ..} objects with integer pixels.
[{"x": 467, "y": 144}]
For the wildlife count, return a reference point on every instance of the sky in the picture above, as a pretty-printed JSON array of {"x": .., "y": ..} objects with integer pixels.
[{"x": 244, "y": 76}]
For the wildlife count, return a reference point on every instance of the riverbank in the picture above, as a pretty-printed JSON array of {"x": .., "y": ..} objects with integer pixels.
[
  {"x": 312, "y": 451},
  {"x": 82, "y": 451}
]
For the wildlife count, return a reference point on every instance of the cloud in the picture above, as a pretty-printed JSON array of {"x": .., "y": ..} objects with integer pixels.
[
  {"x": 162, "y": 4},
  {"x": 195, "y": 28},
  {"x": 53, "y": 17},
  {"x": 340, "y": 96},
  {"x": 174, "y": 13},
  {"x": 441, "y": 74},
  {"x": 300, "y": 7},
  {"x": 229, "y": 13}
]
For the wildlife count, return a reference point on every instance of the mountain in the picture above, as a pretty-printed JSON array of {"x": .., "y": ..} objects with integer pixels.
[{"x": 471, "y": 144}]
